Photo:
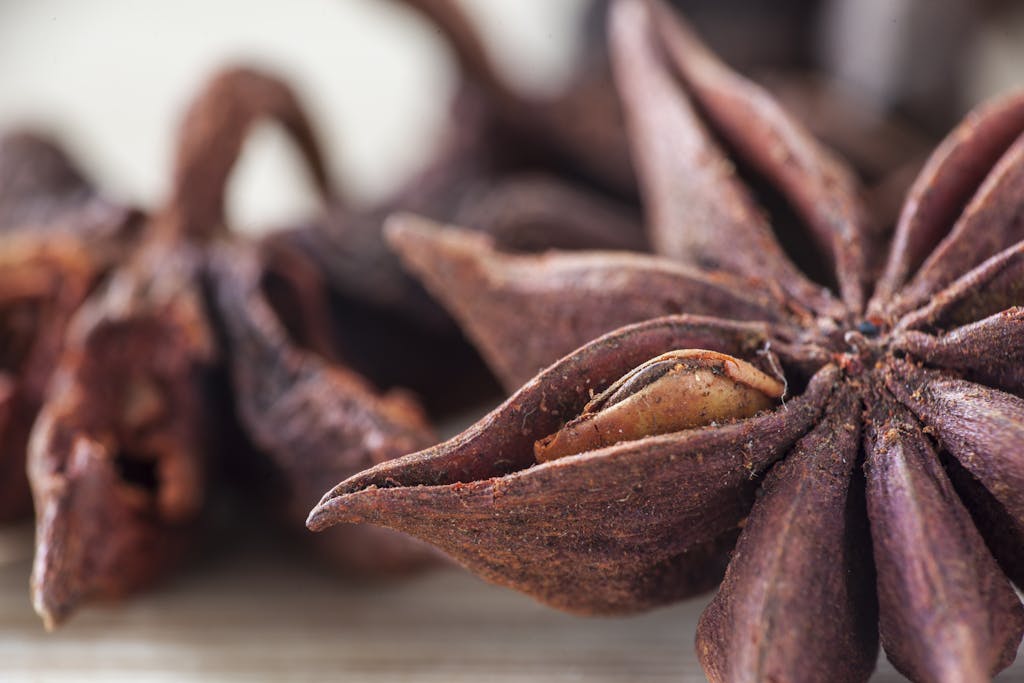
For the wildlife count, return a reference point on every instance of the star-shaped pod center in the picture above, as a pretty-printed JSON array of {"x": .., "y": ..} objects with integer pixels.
[{"x": 878, "y": 496}]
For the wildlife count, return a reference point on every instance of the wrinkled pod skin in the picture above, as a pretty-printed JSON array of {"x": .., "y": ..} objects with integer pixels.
[
  {"x": 58, "y": 238},
  {"x": 136, "y": 416},
  {"x": 880, "y": 502},
  {"x": 312, "y": 420},
  {"x": 309, "y": 417}
]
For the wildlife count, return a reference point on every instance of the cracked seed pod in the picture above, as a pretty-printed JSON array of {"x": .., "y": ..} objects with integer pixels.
[
  {"x": 482, "y": 178},
  {"x": 57, "y": 239},
  {"x": 312, "y": 420},
  {"x": 138, "y": 419},
  {"x": 121, "y": 454},
  {"x": 41, "y": 285},
  {"x": 901, "y": 422}
]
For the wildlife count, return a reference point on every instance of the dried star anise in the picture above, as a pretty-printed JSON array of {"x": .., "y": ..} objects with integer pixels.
[
  {"x": 124, "y": 446},
  {"x": 884, "y": 496},
  {"x": 41, "y": 189},
  {"x": 57, "y": 238},
  {"x": 535, "y": 173},
  {"x": 311, "y": 418},
  {"x": 139, "y": 423},
  {"x": 315, "y": 421}
]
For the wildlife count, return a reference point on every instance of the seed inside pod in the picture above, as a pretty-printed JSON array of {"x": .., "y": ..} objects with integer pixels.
[{"x": 675, "y": 391}]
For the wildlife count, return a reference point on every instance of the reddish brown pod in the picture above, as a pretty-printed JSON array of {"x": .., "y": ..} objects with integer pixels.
[
  {"x": 878, "y": 499},
  {"x": 121, "y": 454},
  {"x": 311, "y": 419},
  {"x": 57, "y": 239},
  {"x": 141, "y": 420},
  {"x": 534, "y": 172}
]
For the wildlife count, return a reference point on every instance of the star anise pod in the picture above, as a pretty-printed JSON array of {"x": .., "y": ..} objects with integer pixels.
[
  {"x": 137, "y": 413},
  {"x": 536, "y": 173},
  {"x": 57, "y": 238},
  {"x": 139, "y": 421},
  {"x": 312, "y": 419},
  {"x": 123, "y": 445},
  {"x": 883, "y": 495}
]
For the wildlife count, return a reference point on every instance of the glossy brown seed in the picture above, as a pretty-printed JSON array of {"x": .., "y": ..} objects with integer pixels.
[
  {"x": 675, "y": 391},
  {"x": 947, "y": 612},
  {"x": 798, "y": 600}
]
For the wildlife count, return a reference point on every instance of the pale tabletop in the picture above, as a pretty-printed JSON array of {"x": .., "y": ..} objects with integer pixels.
[{"x": 247, "y": 613}]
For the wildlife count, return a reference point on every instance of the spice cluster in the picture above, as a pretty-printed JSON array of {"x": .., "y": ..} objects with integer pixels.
[{"x": 731, "y": 360}]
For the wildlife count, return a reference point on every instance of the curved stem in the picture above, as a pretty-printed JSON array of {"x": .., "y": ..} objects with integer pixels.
[{"x": 212, "y": 135}]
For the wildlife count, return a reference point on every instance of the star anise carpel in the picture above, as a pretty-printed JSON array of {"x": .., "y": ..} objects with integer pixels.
[
  {"x": 58, "y": 237},
  {"x": 199, "y": 341},
  {"x": 877, "y": 498},
  {"x": 531, "y": 171}
]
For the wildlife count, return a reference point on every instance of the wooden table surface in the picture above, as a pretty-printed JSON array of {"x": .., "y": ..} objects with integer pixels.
[{"x": 246, "y": 613}]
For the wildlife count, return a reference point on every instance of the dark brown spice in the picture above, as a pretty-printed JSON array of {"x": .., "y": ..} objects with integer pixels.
[
  {"x": 534, "y": 173},
  {"x": 313, "y": 420},
  {"x": 124, "y": 446},
  {"x": 57, "y": 239},
  {"x": 139, "y": 418},
  {"x": 855, "y": 451}
]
